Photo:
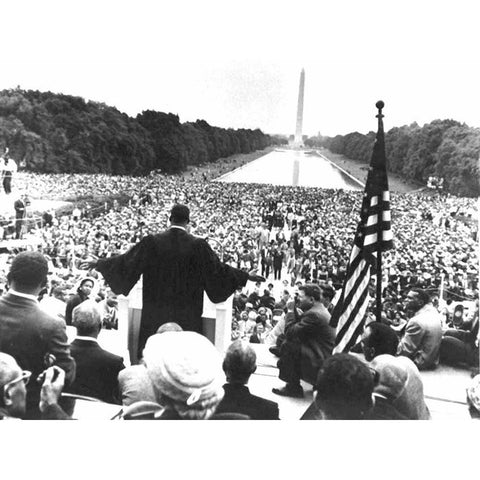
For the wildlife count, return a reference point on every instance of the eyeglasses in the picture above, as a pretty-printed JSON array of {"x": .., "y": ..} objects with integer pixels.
[{"x": 24, "y": 377}]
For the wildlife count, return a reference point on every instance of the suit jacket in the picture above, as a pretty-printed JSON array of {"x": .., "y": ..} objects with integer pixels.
[
  {"x": 422, "y": 339},
  {"x": 238, "y": 399},
  {"x": 383, "y": 409},
  {"x": 316, "y": 339},
  {"x": 97, "y": 371},
  {"x": 177, "y": 268},
  {"x": 28, "y": 334}
]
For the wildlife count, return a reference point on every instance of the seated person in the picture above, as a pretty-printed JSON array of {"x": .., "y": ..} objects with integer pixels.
[
  {"x": 239, "y": 363},
  {"x": 344, "y": 391},
  {"x": 186, "y": 371},
  {"x": 400, "y": 384},
  {"x": 13, "y": 391},
  {"x": 423, "y": 332},
  {"x": 459, "y": 347},
  {"x": 259, "y": 333},
  {"x": 399, "y": 380},
  {"x": 97, "y": 369},
  {"x": 134, "y": 383},
  {"x": 309, "y": 341}
]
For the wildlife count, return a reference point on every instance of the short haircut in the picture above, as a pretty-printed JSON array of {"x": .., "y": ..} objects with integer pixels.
[
  {"x": 86, "y": 318},
  {"x": 180, "y": 214},
  {"x": 423, "y": 295},
  {"x": 311, "y": 290},
  {"x": 344, "y": 388},
  {"x": 328, "y": 291},
  {"x": 382, "y": 338},
  {"x": 29, "y": 269},
  {"x": 240, "y": 362}
]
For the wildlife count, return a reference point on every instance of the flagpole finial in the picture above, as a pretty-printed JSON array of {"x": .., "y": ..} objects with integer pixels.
[{"x": 380, "y": 104}]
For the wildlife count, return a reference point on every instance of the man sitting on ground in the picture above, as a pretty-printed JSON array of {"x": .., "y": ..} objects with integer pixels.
[
  {"x": 423, "y": 332},
  {"x": 308, "y": 343},
  {"x": 399, "y": 380},
  {"x": 97, "y": 369},
  {"x": 239, "y": 363}
]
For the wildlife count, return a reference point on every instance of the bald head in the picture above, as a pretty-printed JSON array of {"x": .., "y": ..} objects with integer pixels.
[
  {"x": 87, "y": 319},
  {"x": 169, "y": 327},
  {"x": 240, "y": 362},
  {"x": 12, "y": 398},
  {"x": 9, "y": 369}
]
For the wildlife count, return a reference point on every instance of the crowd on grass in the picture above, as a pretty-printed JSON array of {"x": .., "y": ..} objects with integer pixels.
[{"x": 294, "y": 236}]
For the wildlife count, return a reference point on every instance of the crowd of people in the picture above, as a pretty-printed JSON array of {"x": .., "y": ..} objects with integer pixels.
[{"x": 296, "y": 237}]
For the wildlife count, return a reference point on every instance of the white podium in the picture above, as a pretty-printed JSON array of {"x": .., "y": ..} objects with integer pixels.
[{"x": 216, "y": 321}]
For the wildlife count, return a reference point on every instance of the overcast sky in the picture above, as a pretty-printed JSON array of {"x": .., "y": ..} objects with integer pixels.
[{"x": 237, "y": 63}]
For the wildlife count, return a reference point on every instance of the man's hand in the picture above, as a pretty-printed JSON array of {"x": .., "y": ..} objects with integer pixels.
[
  {"x": 53, "y": 383},
  {"x": 90, "y": 263},
  {"x": 253, "y": 277}
]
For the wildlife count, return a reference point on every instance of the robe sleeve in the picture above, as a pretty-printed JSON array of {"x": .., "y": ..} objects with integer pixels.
[
  {"x": 123, "y": 271},
  {"x": 220, "y": 280}
]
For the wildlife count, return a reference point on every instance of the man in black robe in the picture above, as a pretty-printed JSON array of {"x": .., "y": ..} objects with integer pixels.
[{"x": 177, "y": 268}]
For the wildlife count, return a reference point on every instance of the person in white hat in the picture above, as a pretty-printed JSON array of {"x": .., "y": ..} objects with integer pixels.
[{"x": 186, "y": 372}]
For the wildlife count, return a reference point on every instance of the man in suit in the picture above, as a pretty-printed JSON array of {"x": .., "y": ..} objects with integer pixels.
[
  {"x": 309, "y": 341},
  {"x": 97, "y": 369},
  {"x": 423, "y": 332},
  {"x": 177, "y": 268},
  {"x": 239, "y": 363},
  {"x": 13, "y": 391},
  {"x": 35, "y": 339}
]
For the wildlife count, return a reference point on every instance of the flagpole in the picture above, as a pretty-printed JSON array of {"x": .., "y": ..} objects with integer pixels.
[{"x": 380, "y": 138}]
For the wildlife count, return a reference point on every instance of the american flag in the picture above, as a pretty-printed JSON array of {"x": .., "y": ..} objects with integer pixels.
[{"x": 373, "y": 236}]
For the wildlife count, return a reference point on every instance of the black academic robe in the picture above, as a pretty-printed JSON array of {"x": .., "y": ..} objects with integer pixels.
[{"x": 177, "y": 268}]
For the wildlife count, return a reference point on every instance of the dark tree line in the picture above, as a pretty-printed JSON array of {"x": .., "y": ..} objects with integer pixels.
[
  {"x": 57, "y": 133},
  {"x": 443, "y": 148}
]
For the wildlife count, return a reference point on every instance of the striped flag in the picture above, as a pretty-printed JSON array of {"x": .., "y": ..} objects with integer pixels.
[{"x": 373, "y": 236}]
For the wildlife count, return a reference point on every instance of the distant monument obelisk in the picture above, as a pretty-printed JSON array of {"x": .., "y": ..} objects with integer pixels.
[{"x": 298, "y": 141}]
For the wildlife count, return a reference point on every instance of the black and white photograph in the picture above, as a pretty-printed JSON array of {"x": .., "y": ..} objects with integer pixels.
[{"x": 239, "y": 211}]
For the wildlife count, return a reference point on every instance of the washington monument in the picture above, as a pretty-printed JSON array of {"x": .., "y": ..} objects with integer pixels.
[{"x": 298, "y": 141}]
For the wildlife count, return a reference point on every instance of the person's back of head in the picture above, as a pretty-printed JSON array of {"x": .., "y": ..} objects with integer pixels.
[
  {"x": 239, "y": 363},
  {"x": 344, "y": 388},
  {"x": 28, "y": 272},
  {"x": 328, "y": 292},
  {"x": 179, "y": 215},
  {"x": 311, "y": 290},
  {"x": 87, "y": 318},
  {"x": 379, "y": 339},
  {"x": 186, "y": 372}
]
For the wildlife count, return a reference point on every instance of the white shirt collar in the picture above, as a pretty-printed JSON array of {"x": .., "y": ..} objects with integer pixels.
[
  {"x": 81, "y": 337},
  {"x": 178, "y": 226},
  {"x": 23, "y": 295}
]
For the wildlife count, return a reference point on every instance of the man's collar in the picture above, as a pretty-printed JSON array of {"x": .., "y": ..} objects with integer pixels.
[
  {"x": 178, "y": 226},
  {"x": 23, "y": 295},
  {"x": 89, "y": 339}
]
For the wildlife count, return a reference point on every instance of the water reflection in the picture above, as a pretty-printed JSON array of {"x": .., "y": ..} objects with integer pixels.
[{"x": 292, "y": 167}]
